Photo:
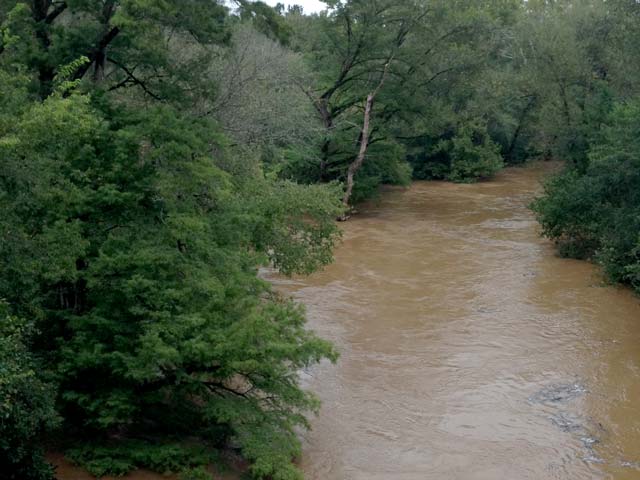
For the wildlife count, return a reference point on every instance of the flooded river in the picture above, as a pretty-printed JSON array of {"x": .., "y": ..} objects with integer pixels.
[{"x": 469, "y": 350}]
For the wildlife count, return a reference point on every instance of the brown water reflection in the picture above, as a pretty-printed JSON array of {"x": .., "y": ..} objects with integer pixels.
[{"x": 469, "y": 350}]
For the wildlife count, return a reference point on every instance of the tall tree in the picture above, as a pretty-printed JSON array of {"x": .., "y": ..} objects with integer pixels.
[
  {"x": 351, "y": 50},
  {"x": 134, "y": 246}
]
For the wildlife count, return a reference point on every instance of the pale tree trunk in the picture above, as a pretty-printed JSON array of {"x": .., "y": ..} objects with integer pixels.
[{"x": 364, "y": 142}]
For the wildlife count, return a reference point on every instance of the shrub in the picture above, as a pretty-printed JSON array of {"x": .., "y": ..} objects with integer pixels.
[
  {"x": 473, "y": 155},
  {"x": 595, "y": 212},
  {"x": 26, "y": 404},
  {"x": 463, "y": 153},
  {"x": 119, "y": 458},
  {"x": 199, "y": 473}
]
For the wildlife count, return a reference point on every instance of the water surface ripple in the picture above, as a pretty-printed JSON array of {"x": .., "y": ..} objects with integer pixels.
[{"x": 469, "y": 350}]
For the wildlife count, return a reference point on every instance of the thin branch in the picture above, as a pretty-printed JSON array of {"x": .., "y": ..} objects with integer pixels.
[
  {"x": 102, "y": 44},
  {"x": 132, "y": 79}
]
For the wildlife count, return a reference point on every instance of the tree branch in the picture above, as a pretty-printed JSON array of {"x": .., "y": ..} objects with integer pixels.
[
  {"x": 131, "y": 79},
  {"x": 60, "y": 7},
  {"x": 93, "y": 55}
]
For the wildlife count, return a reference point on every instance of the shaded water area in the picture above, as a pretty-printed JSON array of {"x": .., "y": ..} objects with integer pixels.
[{"x": 469, "y": 350}]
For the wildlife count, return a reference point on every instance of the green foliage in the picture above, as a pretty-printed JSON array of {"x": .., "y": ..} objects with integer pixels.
[
  {"x": 566, "y": 215},
  {"x": 26, "y": 404},
  {"x": 150, "y": 157},
  {"x": 62, "y": 81},
  {"x": 473, "y": 155},
  {"x": 294, "y": 224},
  {"x": 595, "y": 211},
  {"x": 347, "y": 49},
  {"x": 119, "y": 458},
  {"x": 385, "y": 164},
  {"x": 142, "y": 256},
  {"x": 198, "y": 473},
  {"x": 265, "y": 19},
  {"x": 466, "y": 154}
]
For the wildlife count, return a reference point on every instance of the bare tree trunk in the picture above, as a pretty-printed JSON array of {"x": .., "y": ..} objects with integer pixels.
[
  {"x": 364, "y": 144},
  {"x": 364, "y": 141}
]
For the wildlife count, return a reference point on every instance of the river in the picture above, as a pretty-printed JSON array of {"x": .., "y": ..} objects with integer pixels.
[{"x": 469, "y": 349}]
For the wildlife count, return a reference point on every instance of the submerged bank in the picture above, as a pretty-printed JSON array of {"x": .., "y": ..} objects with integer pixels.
[{"x": 469, "y": 349}]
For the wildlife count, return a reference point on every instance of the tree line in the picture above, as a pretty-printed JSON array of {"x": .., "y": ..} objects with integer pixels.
[{"x": 155, "y": 153}]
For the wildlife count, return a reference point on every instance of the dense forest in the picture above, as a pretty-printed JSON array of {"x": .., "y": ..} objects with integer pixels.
[{"x": 155, "y": 153}]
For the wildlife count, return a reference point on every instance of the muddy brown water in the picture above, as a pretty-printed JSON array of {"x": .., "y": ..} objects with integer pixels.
[{"x": 469, "y": 350}]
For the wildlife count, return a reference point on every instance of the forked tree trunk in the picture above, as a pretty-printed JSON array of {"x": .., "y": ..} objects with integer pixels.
[{"x": 364, "y": 142}]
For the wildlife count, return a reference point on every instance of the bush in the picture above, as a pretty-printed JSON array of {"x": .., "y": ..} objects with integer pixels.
[
  {"x": 473, "y": 155},
  {"x": 385, "y": 165},
  {"x": 595, "y": 212},
  {"x": 464, "y": 153},
  {"x": 126, "y": 455},
  {"x": 26, "y": 404},
  {"x": 199, "y": 473}
]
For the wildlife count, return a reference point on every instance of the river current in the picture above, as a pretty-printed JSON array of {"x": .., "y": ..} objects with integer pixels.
[{"x": 469, "y": 349}]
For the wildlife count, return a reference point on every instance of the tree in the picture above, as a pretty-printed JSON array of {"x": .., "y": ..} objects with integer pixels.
[
  {"x": 588, "y": 113},
  {"x": 258, "y": 103},
  {"x": 363, "y": 140},
  {"x": 134, "y": 246},
  {"x": 409, "y": 71},
  {"x": 351, "y": 51},
  {"x": 127, "y": 43},
  {"x": 457, "y": 85}
]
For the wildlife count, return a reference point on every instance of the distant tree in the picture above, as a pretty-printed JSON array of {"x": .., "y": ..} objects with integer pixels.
[
  {"x": 258, "y": 102},
  {"x": 352, "y": 50}
]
